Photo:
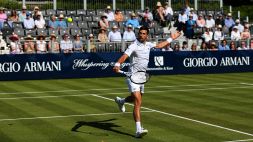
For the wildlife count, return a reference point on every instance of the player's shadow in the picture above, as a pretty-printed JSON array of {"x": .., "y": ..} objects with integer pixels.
[{"x": 104, "y": 125}]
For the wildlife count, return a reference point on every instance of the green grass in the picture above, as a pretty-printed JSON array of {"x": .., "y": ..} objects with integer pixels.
[{"x": 178, "y": 108}]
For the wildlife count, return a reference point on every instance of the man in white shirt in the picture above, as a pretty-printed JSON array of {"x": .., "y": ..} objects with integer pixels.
[
  {"x": 147, "y": 13},
  {"x": 114, "y": 35},
  {"x": 129, "y": 35},
  {"x": 240, "y": 26},
  {"x": 39, "y": 22},
  {"x": 138, "y": 52},
  {"x": 109, "y": 13},
  {"x": 29, "y": 22},
  {"x": 210, "y": 22},
  {"x": 66, "y": 44},
  {"x": 208, "y": 34},
  {"x": 235, "y": 34}
]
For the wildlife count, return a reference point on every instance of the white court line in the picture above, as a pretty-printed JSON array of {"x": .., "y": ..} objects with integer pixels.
[
  {"x": 181, "y": 117},
  {"x": 115, "y": 93},
  {"x": 247, "y": 140},
  {"x": 103, "y": 89},
  {"x": 246, "y": 83},
  {"x": 65, "y": 116}
]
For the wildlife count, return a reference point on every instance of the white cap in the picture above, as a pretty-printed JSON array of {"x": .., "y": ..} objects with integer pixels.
[{"x": 237, "y": 21}]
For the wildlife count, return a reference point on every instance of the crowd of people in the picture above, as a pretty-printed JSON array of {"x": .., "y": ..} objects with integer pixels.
[{"x": 214, "y": 30}]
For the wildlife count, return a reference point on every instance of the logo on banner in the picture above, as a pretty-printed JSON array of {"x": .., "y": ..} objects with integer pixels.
[{"x": 159, "y": 61}]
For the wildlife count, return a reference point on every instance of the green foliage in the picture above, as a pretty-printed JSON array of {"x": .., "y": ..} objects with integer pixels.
[{"x": 10, "y": 4}]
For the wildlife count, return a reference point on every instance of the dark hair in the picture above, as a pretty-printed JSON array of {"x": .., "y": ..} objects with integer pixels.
[{"x": 144, "y": 28}]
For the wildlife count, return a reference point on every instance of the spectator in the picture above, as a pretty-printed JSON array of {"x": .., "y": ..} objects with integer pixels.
[
  {"x": 159, "y": 13},
  {"x": 223, "y": 45},
  {"x": 208, "y": 35},
  {"x": 22, "y": 15},
  {"x": 213, "y": 46},
  {"x": 102, "y": 36},
  {"x": 194, "y": 47},
  {"x": 13, "y": 17},
  {"x": 3, "y": 46},
  {"x": 229, "y": 22},
  {"x": 194, "y": 15},
  {"x": 218, "y": 34},
  {"x": 176, "y": 47},
  {"x": 53, "y": 45},
  {"x": 235, "y": 34},
  {"x": 109, "y": 13},
  {"x": 243, "y": 46},
  {"x": 118, "y": 16},
  {"x": 168, "y": 14},
  {"x": 182, "y": 21},
  {"x": 114, "y": 35},
  {"x": 219, "y": 20},
  {"x": 245, "y": 34},
  {"x": 103, "y": 23},
  {"x": 53, "y": 24},
  {"x": 210, "y": 22},
  {"x": 187, "y": 9},
  {"x": 40, "y": 22},
  {"x": 146, "y": 22},
  {"x": 184, "y": 47},
  {"x": 133, "y": 21},
  {"x": 29, "y": 46},
  {"x": 201, "y": 21},
  {"x": 36, "y": 12},
  {"x": 61, "y": 23},
  {"x": 251, "y": 44},
  {"x": 3, "y": 17},
  {"x": 29, "y": 22},
  {"x": 203, "y": 46},
  {"x": 92, "y": 43},
  {"x": 129, "y": 35},
  {"x": 41, "y": 45},
  {"x": 240, "y": 26},
  {"x": 78, "y": 44},
  {"x": 15, "y": 46},
  {"x": 246, "y": 23},
  {"x": 232, "y": 46},
  {"x": 147, "y": 13},
  {"x": 190, "y": 24},
  {"x": 66, "y": 44}
]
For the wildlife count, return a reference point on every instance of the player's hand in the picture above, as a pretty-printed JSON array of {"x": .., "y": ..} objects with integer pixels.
[{"x": 116, "y": 69}]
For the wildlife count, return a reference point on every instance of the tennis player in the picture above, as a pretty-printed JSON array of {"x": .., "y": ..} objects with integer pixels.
[{"x": 138, "y": 52}]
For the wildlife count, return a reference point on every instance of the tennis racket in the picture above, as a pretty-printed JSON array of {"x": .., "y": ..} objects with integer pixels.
[{"x": 140, "y": 77}]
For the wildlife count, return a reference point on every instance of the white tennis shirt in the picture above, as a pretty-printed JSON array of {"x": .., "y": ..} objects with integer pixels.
[{"x": 139, "y": 55}]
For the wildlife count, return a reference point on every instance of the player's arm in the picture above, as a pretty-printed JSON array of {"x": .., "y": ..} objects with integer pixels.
[
  {"x": 169, "y": 40},
  {"x": 121, "y": 60}
]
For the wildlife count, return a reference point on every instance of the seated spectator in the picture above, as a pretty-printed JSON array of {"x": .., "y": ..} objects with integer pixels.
[
  {"x": 103, "y": 23},
  {"x": 61, "y": 23},
  {"x": 251, "y": 44},
  {"x": 235, "y": 34},
  {"x": 109, "y": 13},
  {"x": 66, "y": 44},
  {"x": 245, "y": 34},
  {"x": 203, "y": 46},
  {"x": 213, "y": 46},
  {"x": 53, "y": 24},
  {"x": 118, "y": 16},
  {"x": 78, "y": 44},
  {"x": 41, "y": 45},
  {"x": 243, "y": 46},
  {"x": 40, "y": 22},
  {"x": 229, "y": 22},
  {"x": 208, "y": 35},
  {"x": 194, "y": 15},
  {"x": 190, "y": 24},
  {"x": 3, "y": 46},
  {"x": 168, "y": 14},
  {"x": 232, "y": 46},
  {"x": 36, "y": 11},
  {"x": 53, "y": 45},
  {"x": 22, "y": 14},
  {"x": 92, "y": 43},
  {"x": 194, "y": 47},
  {"x": 102, "y": 36},
  {"x": 114, "y": 35},
  {"x": 219, "y": 20},
  {"x": 29, "y": 22},
  {"x": 246, "y": 23},
  {"x": 218, "y": 34},
  {"x": 187, "y": 9},
  {"x": 129, "y": 35},
  {"x": 201, "y": 21},
  {"x": 29, "y": 46},
  {"x": 146, "y": 22},
  {"x": 3, "y": 17},
  {"x": 159, "y": 13},
  {"x": 210, "y": 22},
  {"x": 184, "y": 47},
  {"x": 147, "y": 13},
  {"x": 176, "y": 47},
  {"x": 13, "y": 17},
  {"x": 223, "y": 45},
  {"x": 15, "y": 46},
  {"x": 182, "y": 18},
  {"x": 133, "y": 21},
  {"x": 240, "y": 26}
]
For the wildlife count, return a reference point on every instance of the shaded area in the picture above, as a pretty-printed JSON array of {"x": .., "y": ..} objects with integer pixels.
[{"x": 103, "y": 124}]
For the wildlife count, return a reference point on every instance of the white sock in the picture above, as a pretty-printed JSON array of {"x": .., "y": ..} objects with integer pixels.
[
  {"x": 138, "y": 126},
  {"x": 122, "y": 100}
]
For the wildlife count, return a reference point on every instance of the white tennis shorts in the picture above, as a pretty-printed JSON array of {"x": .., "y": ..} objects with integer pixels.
[{"x": 132, "y": 87}]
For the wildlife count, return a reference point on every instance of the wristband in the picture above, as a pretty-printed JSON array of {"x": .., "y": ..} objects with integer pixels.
[
  {"x": 117, "y": 64},
  {"x": 169, "y": 40}
]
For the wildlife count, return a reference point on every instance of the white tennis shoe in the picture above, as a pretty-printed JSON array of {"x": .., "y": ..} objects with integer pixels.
[
  {"x": 142, "y": 133},
  {"x": 120, "y": 104}
]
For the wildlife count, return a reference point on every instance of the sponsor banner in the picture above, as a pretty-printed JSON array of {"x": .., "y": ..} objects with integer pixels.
[{"x": 80, "y": 65}]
